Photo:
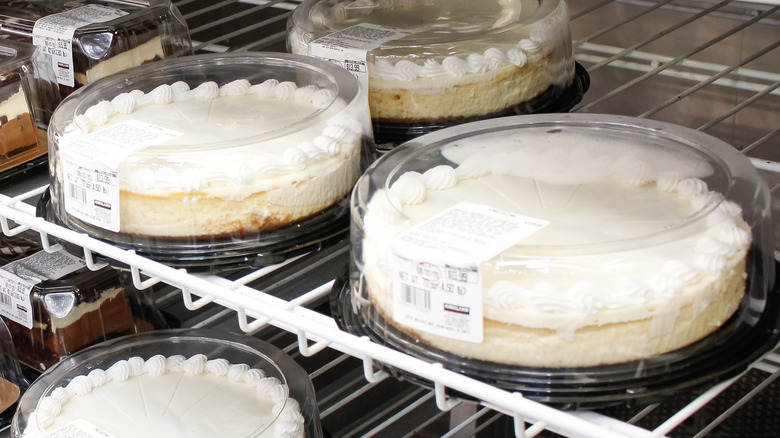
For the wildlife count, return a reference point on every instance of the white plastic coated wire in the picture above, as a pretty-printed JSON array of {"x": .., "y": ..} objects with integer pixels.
[{"x": 306, "y": 324}]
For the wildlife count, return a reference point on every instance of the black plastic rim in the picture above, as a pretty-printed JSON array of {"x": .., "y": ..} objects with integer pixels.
[
  {"x": 718, "y": 357},
  {"x": 323, "y": 230}
]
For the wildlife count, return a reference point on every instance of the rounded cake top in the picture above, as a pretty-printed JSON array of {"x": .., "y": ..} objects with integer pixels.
[
  {"x": 219, "y": 101},
  {"x": 230, "y": 120},
  {"x": 430, "y": 38},
  {"x": 617, "y": 184},
  {"x": 430, "y": 20},
  {"x": 249, "y": 386},
  {"x": 172, "y": 383},
  {"x": 596, "y": 212}
]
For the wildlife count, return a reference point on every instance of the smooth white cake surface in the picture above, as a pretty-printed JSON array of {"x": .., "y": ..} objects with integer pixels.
[
  {"x": 234, "y": 135},
  {"x": 172, "y": 397},
  {"x": 632, "y": 235}
]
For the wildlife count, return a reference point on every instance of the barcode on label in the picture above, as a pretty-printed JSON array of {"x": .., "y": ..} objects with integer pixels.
[
  {"x": 416, "y": 297},
  {"x": 5, "y": 299},
  {"x": 78, "y": 194}
]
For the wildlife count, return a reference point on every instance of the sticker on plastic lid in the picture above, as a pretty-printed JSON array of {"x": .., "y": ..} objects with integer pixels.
[
  {"x": 91, "y": 185},
  {"x": 349, "y": 47},
  {"x": 53, "y": 35},
  {"x": 437, "y": 284},
  {"x": 18, "y": 278},
  {"x": 79, "y": 429}
]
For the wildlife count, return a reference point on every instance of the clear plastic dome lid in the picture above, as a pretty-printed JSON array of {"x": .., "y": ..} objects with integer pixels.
[
  {"x": 28, "y": 96},
  {"x": 193, "y": 384},
  {"x": 12, "y": 381},
  {"x": 89, "y": 39},
  {"x": 61, "y": 306},
  {"x": 562, "y": 242},
  {"x": 431, "y": 63},
  {"x": 230, "y": 154}
]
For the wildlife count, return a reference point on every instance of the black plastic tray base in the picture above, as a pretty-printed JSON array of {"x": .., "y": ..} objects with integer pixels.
[
  {"x": 219, "y": 255},
  {"x": 718, "y": 357},
  {"x": 11, "y": 176}
]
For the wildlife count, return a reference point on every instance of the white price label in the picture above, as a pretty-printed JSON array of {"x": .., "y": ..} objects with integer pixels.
[
  {"x": 439, "y": 298},
  {"x": 91, "y": 193},
  {"x": 18, "y": 278},
  {"x": 79, "y": 429},
  {"x": 475, "y": 229},
  {"x": 437, "y": 284},
  {"x": 53, "y": 35},
  {"x": 15, "y": 299},
  {"x": 349, "y": 47},
  {"x": 91, "y": 185}
]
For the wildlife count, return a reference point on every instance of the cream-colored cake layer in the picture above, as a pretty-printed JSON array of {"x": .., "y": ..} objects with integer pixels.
[
  {"x": 456, "y": 97},
  {"x": 146, "y": 52},
  {"x": 246, "y": 157},
  {"x": 15, "y": 105},
  {"x": 172, "y": 398},
  {"x": 78, "y": 312},
  {"x": 638, "y": 256},
  {"x": 291, "y": 198},
  {"x": 673, "y": 326}
]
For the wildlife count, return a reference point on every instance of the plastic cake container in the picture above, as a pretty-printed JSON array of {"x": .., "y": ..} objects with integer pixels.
[{"x": 731, "y": 179}]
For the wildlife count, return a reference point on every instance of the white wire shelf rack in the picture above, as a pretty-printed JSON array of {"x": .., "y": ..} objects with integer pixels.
[{"x": 711, "y": 66}]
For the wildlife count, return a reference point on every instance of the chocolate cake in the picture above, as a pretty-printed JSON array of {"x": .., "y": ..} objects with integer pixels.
[
  {"x": 18, "y": 130},
  {"x": 139, "y": 34},
  {"x": 79, "y": 309},
  {"x": 28, "y": 96},
  {"x": 84, "y": 309}
]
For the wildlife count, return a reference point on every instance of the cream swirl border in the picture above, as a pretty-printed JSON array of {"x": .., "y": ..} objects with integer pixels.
[
  {"x": 716, "y": 252},
  {"x": 289, "y": 421},
  {"x": 341, "y": 128}
]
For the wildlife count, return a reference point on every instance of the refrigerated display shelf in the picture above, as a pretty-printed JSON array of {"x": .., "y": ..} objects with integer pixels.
[{"x": 707, "y": 65}]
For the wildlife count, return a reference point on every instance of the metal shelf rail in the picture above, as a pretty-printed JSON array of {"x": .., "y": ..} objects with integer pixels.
[{"x": 672, "y": 85}]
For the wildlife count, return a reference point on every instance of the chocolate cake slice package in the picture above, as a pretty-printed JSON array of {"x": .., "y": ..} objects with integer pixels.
[
  {"x": 88, "y": 39},
  {"x": 28, "y": 96},
  {"x": 54, "y": 305}
]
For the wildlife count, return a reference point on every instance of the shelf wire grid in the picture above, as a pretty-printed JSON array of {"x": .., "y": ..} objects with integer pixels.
[{"x": 621, "y": 68}]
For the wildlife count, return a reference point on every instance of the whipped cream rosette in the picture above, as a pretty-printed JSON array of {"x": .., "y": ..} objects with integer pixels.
[
  {"x": 563, "y": 243},
  {"x": 173, "y": 384},
  {"x": 240, "y": 154},
  {"x": 432, "y": 63}
]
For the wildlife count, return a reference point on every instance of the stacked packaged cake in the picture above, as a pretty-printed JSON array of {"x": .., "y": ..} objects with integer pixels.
[
  {"x": 28, "y": 96},
  {"x": 86, "y": 40},
  {"x": 428, "y": 64},
  {"x": 54, "y": 305},
  {"x": 575, "y": 258},
  {"x": 212, "y": 162}
]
